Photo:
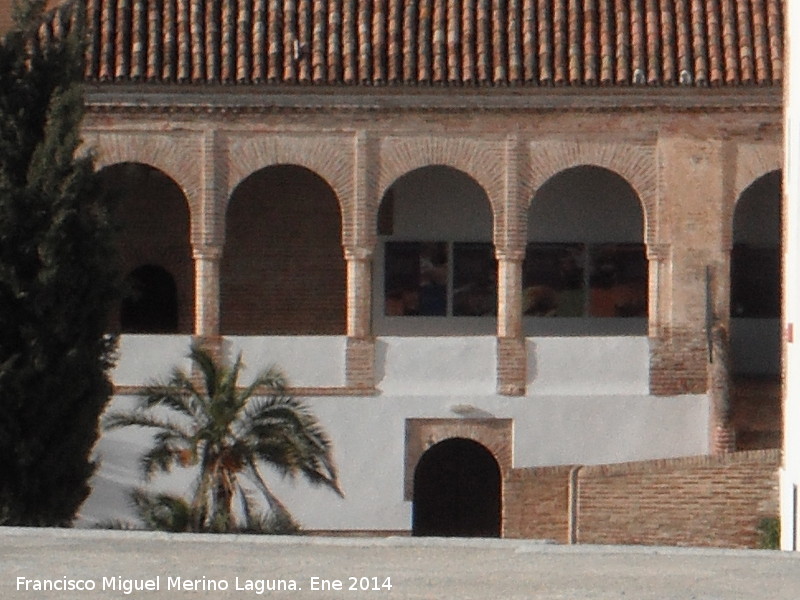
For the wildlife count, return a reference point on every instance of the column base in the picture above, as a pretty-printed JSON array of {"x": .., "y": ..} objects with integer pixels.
[
  {"x": 512, "y": 362},
  {"x": 213, "y": 344},
  {"x": 360, "y": 363}
]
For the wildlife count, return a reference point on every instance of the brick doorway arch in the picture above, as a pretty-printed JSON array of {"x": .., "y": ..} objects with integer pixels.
[{"x": 457, "y": 491}]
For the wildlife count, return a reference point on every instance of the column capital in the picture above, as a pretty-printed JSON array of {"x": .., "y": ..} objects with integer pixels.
[
  {"x": 658, "y": 251},
  {"x": 357, "y": 253},
  {"x": 514, "y": 255},
  {"x": 206, "y": 252}
]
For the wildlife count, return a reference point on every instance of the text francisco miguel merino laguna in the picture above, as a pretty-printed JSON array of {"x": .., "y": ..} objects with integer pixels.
[
  {"x": 155, "y": 584},
  {"x": 203, "y": 584}
]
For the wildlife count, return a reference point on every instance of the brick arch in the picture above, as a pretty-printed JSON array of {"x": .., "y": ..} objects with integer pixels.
[
  {"x": 178, "y": 157},
  {"x": 752, "y": 163},
  {"x": 331, "y": 159},
  {"x": 635, "y": 164},
  {"x": 496, "y": 435},
  {"x": 483, "y": 161}
]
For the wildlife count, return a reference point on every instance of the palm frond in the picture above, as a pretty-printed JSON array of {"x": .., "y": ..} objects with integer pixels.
[
  {"x": 246, "y": 502},
  {"x": 173, "y": 395},
  {"x": 208, "y": 368},
  {"x": 229, "y": 378},
  {"x": 276, "y": 506},
  {"x": 271, "y": 378},
  {"x": 161, "y": 457},
  {"x": 140, "y": 418},
  {"x": 161, "y": 511}
]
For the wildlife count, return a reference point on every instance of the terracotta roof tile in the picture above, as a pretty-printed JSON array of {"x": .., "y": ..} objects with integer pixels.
[{"x": 434, "y": 42}]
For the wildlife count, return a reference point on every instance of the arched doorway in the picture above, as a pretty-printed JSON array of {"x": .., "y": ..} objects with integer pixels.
[
  {"x": 755, "y": 302},
  {"x": 585, "y": 269},
  {"x": 150, "y": 304},
  {"x": 457, "y": 491},
  {"x": 283, "y": 270}
]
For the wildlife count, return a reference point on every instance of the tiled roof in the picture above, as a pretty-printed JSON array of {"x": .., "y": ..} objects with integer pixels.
[{"x": 473, "y": 43}]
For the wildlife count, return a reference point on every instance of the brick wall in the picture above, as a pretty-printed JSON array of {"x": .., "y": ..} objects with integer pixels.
[
  {"x": 678, "y": 363},
  {"x": 695, "y": 501},
  {"x": 5, "y": 15},
  {"x": 756, "y": 412},
  {"x": 536, "y": 503},
  {"x": 698, "y": 501},
  {"x": 283, "y": 268}
]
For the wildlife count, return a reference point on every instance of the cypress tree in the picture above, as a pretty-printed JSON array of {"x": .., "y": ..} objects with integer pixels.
[{"x": 57, "y": 276}]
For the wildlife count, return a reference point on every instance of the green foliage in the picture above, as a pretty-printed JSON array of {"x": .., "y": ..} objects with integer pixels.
[
  {"x": 227, "y": 433},
  {"x": 769, "y": 529},
  {"x": 57, "y": 279},
  {"x": 161, "y": 511}
]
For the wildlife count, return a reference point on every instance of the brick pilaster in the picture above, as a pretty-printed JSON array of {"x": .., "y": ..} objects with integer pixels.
[
  {"x": 511, "y": 355},
  {"x": 360, "y": 357},
  {"x": 360, "y": 363}
]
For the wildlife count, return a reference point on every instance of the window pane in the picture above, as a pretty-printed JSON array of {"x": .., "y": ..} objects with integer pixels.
[
  {"x": 474, "y": 280},
  {"x": 618, "y": 281},
  {"x": 552, "y": 280},
  {"x": 755, "y": 282},
  {"x": 416, "y": 278}
]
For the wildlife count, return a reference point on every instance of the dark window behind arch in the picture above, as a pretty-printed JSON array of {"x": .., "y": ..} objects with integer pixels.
[{"x": 150, "y": 304}]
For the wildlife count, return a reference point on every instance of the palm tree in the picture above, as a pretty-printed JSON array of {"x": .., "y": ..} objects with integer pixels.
[{"x": 228, "y": 432}]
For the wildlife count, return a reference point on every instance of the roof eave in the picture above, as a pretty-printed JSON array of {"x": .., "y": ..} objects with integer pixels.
[{"x": 126, "y": 97}]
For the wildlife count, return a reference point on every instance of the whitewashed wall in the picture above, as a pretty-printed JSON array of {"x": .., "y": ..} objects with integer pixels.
[
  {"x": 368, "y": 434},
  {"x": 587, "y": 404},
  {"x": 307, "y": 361},
  {"x": 144, "y": 358}
]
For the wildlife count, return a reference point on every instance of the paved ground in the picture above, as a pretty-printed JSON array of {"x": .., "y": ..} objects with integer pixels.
[{"x": 415, "y": 568}]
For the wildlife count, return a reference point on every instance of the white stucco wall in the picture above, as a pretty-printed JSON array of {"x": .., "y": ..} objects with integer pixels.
[
  {"x": 426, "y": 200},
  {"x": 588, "y": 366},
  {"x": 307, "y": 361},
  {"x": 368, "y": 434},
  {"x": 436, "y": 365},
  {"x": 586, "y": 204},
  {"x": 144, "y": 358},
  {"x": 587, "y": 404}
]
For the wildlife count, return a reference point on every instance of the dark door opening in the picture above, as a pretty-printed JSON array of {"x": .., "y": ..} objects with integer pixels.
[{"x": 457, "y": 491}]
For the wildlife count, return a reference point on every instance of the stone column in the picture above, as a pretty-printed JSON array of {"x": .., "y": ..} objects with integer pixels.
[
  {"x": 360, "y": 345},
  {"x": 511, "y": 354},
  {"x": 359, "y": 292}
]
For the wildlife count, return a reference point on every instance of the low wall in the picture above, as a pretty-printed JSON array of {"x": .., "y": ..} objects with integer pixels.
[
  {"x": 696, "y": 501},
  {"x": 536, "y": 503}
]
